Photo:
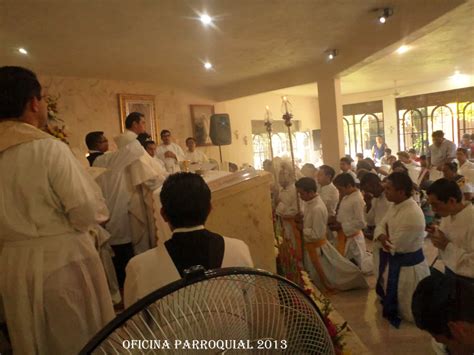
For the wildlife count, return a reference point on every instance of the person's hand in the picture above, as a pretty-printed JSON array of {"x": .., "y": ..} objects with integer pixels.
[
  {"x": 385, "y": 241},
  {"x": 171, "y": 155},
  {"x": 439, "y": 240}
]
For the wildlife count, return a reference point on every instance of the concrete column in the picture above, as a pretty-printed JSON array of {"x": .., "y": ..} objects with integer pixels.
[
  {"x": 330, "y": 113},
  {"x": 390, "y": 123}
]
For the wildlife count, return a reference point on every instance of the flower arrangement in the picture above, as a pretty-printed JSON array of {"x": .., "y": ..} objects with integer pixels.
[{"x": 55, "y": 125}]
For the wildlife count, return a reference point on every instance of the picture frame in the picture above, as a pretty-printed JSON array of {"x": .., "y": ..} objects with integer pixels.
[
  {"x": 144, "y": 104},
  {"x": 201, "y": 123}
]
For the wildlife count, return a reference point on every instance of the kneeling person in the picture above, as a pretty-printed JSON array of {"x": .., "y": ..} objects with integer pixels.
[
  {"x": 325, "y": 265},
  {"x": 191, "y": 243}
]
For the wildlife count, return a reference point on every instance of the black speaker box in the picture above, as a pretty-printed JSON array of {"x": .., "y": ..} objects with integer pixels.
[
  {"x": 220, "y": 131},
  {"x": 316, "y": 139}
]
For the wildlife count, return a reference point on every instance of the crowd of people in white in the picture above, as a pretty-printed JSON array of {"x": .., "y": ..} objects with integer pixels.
[{"x": 75, "y": 242}]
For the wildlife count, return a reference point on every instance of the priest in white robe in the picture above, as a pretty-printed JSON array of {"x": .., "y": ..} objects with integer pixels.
[
  {"x": 349, "y": 222},
  {"x": 190, "y": 244},
  {"x": 170, "y": 153},
  {"x": 329, "y": 269},
  {"x": 402, "y": 263},
  {"x": 455, "y": 236},
  {"x": 128, "y": 184},
  {"x": 53, "y": 285},
  {"x": 192, "y": 154},
  {"x": 377, "y": 206},
  {"x": 327, "y": 191}
]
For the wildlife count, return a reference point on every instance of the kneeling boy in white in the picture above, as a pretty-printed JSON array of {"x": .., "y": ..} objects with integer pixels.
[{"x": 325, "y": 265}]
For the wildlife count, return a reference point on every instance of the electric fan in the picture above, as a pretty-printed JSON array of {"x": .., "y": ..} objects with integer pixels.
[{"x": 224, "y": 311}]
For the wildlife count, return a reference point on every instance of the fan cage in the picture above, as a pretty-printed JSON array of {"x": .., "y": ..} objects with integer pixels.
[{"x": 229, "y": 310}]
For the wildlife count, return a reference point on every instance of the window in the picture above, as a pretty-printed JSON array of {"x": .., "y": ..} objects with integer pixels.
[
  {"x": 419, "y": 116},
  {"x": 362, "y": 122}
]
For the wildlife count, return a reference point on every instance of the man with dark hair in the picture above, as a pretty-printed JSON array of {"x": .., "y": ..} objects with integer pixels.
[
  {"x": 376, "y": 206},
  {"x": 190, "y": 244},
  {"x": 349, "y": 222},
  {"x": 412, "y": 167},
  {"x": 49, "y": 267},
  {"x": 128, "y": 184},
  {"x": 97, "y": 144},
  {"x": 401, "y": 233},
  {"x": 455, "y": 236},
  {"x": 170, "y": 153},
  {"x": 385, "y": 160},
  {"x": 326, "y": 266},
  {"x": 440, "y": 152},
  {"x": 327, "y": 191},
  {"x": 345, "y": 163},
  {"x": 193, "y": 155},
  {"x": 444, "y": 307},
  {"x": 413, "y": 155}
]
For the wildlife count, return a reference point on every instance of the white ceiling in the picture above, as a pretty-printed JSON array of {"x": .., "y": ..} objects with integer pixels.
[
  {"x": 256, "y": 46},
  {"x": 443, "y": 47}
]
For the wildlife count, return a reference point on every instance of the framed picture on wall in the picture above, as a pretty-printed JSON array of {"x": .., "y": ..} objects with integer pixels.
[
  {"x": 144, "y": 104},
  {"x": 201, "y": 123}
]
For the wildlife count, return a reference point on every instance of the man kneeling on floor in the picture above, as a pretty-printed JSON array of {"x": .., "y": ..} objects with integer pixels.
[{"x": 186, "y": 204}]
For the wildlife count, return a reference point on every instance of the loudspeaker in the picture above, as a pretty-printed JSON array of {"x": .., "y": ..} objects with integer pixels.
[
  {"x": 220, "y": 132},
  {"x": 316, "y": 139}
]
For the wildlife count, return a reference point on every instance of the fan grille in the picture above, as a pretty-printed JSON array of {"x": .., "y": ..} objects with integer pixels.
[{"x": 265, "y": 313}]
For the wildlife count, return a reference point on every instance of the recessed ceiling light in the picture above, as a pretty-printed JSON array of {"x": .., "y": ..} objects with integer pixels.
[
  {"x": 207, "y": 65},
  {"x": 332, "y": 54},
  {"x": 205, "y": 19},
  {"x": 403, "y": 49},
  {"x": 22, "y": 51},
  {"x": 384, "y": 14}
]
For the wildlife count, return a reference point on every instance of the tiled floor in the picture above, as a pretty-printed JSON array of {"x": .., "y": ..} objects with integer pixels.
[{"x": 363, "y": 313}]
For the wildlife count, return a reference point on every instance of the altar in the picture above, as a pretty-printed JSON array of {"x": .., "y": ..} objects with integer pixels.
[{"x": 241, "y": 209}]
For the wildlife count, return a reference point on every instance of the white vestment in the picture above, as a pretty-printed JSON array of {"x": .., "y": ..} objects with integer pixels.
[
  {"x": 171, "y": 164},
  {"x": 404, "y": 223},
  {"x": 196, "y": 157},
  {"x": 413, "y": 170},
  {"x": 351, "y": 216},
  {"x": 128, "y": 184},
  {"x": 340, "y": 272},
  {"x": 53, "y": 285},
  {"x": 380, "y": 206},
  {"x": 287, "y": 205},
  {"x": 459, "y": 253},
  {"x": 467, "y": 170},
  {"x": 330, "y": 196},
  {"x": 154, "y": 269}
]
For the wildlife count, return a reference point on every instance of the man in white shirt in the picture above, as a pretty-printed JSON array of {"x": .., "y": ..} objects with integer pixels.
[
  {"x": 128, "y": 184},
  {"x": 327, "y": 191},
  {"x": 440, "y": 152},
  {"x": 326, "y": 266},
  {"x": 170, "y": 153},
  {"x": 465, "y": 167},
  {"x": 455, "y": 236},
  {"x": 402, "y": 263},
  {"x": 412, "y": 166},
  {"x": 345, "y": 163},
  {"x": 52, "y": 281},
  {"x": 193, "y": 155},
  {"x": 376, "y": 206},
  {"x": 191, "y": 243},
  {"x": 349, "y": 222}
]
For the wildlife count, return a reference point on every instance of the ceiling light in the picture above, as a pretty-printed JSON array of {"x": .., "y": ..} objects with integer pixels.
[
  {"x": 384, "y": 14},
  {"x": 403, "y": 49},
  {"x": 332, "y": 54},
  {"x": 22, "y": 51},
  {"x": 208, "y": 66},
  {"x": 460, "y": 79},
  {"x": 205, "y": 19}
]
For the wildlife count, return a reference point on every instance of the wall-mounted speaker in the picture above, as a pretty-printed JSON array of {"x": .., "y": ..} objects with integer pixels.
[{"x": 220, "y": 131}]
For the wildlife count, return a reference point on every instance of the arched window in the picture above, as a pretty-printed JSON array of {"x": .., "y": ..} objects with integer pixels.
[
  {"x": 415, "y": 132},
  {"x": 369, "y": 129},
  {"x": 260, "y": 150},
  {"x": 466, "y": 118},
  {"x": 442, "y": 119},
  {"x": 347, "y": 136}
]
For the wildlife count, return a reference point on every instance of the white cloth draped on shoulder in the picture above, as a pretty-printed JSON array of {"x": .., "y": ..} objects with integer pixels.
[
  {"x": 51, "y": 278},
  {"x": 339, "y": 272}
]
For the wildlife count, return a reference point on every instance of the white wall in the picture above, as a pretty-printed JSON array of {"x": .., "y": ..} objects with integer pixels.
[{"x": 243, "y": 110}]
